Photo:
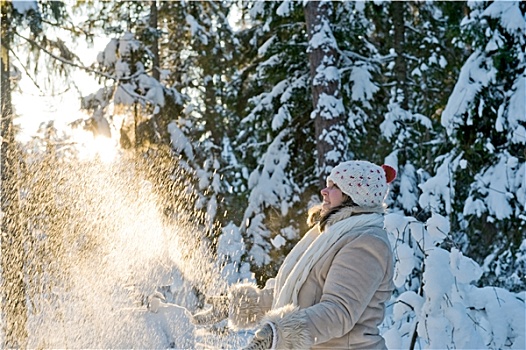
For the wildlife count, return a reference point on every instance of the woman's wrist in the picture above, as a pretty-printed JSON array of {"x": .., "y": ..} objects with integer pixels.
[{"x": 274, "y": 336}]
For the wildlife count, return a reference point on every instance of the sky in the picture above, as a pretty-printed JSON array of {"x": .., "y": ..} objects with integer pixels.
[
  {"x": 35, "y": 107},
  {"x": 59, "y": 103}
]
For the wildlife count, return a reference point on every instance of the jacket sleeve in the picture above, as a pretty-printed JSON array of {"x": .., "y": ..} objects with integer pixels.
[{"x": 356, "y": 272}]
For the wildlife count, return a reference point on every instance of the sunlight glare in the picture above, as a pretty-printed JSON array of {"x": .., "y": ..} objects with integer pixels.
[{"x": 91, "y": 147}]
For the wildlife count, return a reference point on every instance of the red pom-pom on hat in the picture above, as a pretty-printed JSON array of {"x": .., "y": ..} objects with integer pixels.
[{"x": 390, "y": 173}]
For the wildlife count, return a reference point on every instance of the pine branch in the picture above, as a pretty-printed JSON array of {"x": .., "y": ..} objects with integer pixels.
[
  {"x": 72, "y": 28},
  {"x": 71, "y": 63},
  {"x": 25, "y": 69}
]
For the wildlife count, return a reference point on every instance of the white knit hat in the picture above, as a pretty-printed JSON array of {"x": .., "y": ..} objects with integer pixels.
[{"x": 366, "y": 183}]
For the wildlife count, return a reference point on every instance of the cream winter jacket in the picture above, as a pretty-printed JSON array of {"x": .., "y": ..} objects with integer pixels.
[{"x": 341, "y": 303}]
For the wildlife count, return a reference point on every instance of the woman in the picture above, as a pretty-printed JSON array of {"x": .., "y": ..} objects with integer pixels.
[{"x": 331, "y": 289}]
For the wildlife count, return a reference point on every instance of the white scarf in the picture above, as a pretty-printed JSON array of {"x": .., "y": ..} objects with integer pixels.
[{"x": 309, "y": 250}]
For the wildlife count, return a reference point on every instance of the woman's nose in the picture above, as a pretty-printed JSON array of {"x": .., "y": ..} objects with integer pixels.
[{"x": 324, "y": 191}]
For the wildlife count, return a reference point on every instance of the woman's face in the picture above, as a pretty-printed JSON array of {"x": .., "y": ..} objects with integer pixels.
[{"x": 332, "y": 196}]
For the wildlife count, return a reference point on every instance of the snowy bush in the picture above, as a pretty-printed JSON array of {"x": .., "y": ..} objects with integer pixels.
[{"x": 436, "y": 304}]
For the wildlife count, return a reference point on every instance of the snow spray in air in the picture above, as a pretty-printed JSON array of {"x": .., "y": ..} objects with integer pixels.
[{"x": 105, "y": 267}]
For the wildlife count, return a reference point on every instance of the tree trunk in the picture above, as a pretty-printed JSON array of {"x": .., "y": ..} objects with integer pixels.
[
  {"x": 328, "y": 114},
  {"x": 156, "y": 73},
  {"x": 400, "y": 68},
  {"x": 13, "y": 294}
]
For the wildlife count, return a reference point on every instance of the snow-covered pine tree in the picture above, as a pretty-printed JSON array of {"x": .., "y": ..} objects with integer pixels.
[
  {"x": 279, "y": 128},
  {"x": 361, "y": 61},
  {"x": 275, "y": 130},
  {"x": 328, "y": 109},
  {"x": 202, "y": 52},
  {"x": 480, "y": 179},
  {"x": 418, "y": 61},
  {"x": 30, "y": 38},
  {"x": 208, "y": 64},
  {"x": 128, "y": 106}
]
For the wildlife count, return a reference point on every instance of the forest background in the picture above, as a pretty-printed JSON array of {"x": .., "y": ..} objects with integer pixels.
[{"x": 234, "y": 121}]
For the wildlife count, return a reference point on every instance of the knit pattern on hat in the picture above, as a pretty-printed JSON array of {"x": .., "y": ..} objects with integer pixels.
[{"x": 363, "y": 181}]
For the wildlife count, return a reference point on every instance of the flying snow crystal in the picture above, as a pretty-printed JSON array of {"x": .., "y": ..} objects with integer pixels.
[{"x": 122, "y": 275}]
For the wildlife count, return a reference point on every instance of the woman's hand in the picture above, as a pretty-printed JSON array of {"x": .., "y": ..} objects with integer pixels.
[
  {"x": 263, "y": 339},
  {"x": 214, "y": 314}
]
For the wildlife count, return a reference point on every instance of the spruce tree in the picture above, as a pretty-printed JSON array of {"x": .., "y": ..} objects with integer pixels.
[
  {"x": 23, "y": 29},
  {"x": 485, "y": 124}
]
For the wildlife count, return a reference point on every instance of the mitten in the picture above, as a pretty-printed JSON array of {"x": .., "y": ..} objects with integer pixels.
[
  {"x": 263, "y": 339},
  {"x": 289, "y": 326},
  {"x": 248, "y": 304},
  {"x": 217, "y": 311}
]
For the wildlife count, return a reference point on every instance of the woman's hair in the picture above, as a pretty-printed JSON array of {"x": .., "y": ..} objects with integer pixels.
[{"x": 316, "y": 215}]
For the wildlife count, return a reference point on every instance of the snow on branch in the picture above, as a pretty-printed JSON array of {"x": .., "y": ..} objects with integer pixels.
[
  {"x": 438, "y": 191},
  {"x": 498, "y": 189},
  {"x": 271, "y": 186},
  {"x": 437, "y": 305},
  {"x": 473, "y": 77},
  {"x": 515, "y": 115},
  {"x": 68, "y": 62}
]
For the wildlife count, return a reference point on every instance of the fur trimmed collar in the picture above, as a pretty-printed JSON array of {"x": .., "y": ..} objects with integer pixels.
[{"x": 347, "y": 212}]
